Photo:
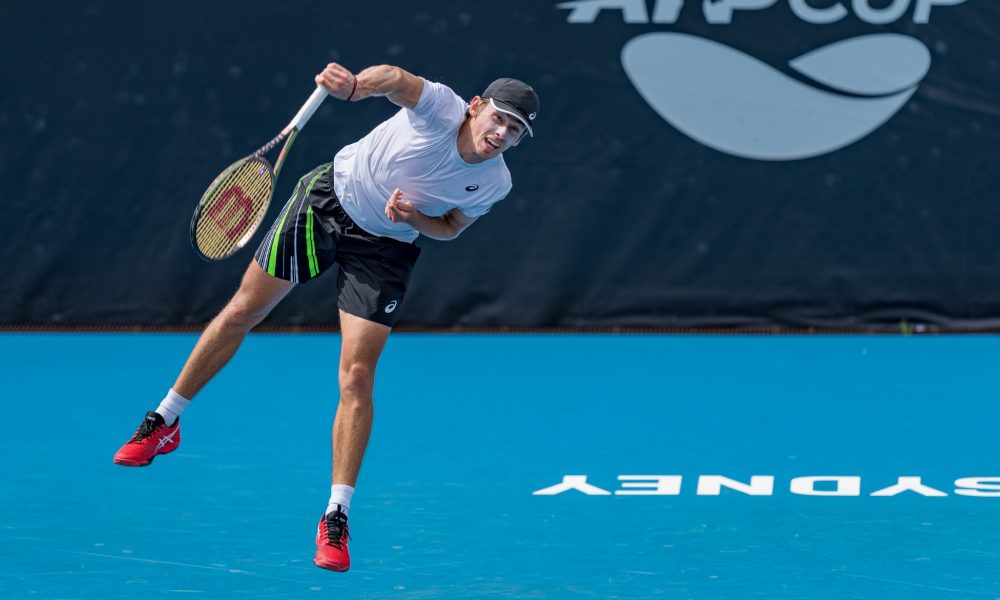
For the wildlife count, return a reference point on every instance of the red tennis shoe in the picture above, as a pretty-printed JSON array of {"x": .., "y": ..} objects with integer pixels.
[
  {"x": 153, "y": 437},
  {"x": 331, "y": 542}
]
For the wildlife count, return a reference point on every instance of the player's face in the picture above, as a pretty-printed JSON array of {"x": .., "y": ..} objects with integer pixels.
[{"x": 493, "y": 131}]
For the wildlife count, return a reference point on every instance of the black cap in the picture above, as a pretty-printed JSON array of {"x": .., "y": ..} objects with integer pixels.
[{"x": 515, "y": 98}]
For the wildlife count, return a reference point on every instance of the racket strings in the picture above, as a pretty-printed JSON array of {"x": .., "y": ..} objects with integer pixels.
[{"x": 232, "y": 209}]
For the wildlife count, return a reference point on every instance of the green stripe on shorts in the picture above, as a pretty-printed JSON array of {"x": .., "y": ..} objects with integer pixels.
[
  {"x": 272, "y": 262},
  {"x": 311, "y": 244}
]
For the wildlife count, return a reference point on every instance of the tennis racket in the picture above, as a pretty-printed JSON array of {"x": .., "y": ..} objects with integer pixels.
[{"x": 233, "y": 206}]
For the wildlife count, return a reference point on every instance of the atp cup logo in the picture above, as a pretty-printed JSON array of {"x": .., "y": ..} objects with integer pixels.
[{"x": 739, "y": 105}]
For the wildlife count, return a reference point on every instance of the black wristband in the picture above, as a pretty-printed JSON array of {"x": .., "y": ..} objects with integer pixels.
[{"x": 354, "y": 89}]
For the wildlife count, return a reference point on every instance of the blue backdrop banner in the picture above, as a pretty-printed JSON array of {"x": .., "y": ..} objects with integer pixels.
[{"x": 717, "y": 163}]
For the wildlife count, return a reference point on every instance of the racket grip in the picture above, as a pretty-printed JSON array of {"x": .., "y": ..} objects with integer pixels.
[{"x": 307, "y": 110}]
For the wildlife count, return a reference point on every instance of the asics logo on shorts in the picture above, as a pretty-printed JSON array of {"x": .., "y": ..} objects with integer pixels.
[
  {"x": 390, "y": 307},
  {"x": 471, "y": 188}
]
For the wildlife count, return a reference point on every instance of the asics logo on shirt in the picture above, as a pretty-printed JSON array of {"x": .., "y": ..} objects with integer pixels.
[
  {"x": 471, "y": 188},
  {"x": 390, "y": 307}
]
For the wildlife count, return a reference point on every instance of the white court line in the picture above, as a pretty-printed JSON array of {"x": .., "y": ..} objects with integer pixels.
[{"x": 177, "y": 564}]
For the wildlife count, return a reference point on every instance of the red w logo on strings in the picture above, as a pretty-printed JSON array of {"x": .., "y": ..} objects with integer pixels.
[{"x": 233, "y": 205}]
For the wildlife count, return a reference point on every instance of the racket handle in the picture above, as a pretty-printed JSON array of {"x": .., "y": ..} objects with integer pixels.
[{"x": 307, "y": 110}]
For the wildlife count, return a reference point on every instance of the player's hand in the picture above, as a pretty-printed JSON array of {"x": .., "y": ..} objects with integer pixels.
[
  {"x": 399, "y": 210},
  {"x": 337, "y": 80}
]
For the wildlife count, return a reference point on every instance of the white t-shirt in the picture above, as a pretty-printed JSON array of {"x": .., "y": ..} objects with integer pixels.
[{"x": 416, "y": 150}]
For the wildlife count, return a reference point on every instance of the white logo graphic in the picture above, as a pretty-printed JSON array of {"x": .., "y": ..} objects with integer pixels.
[
  {"x": 391, "y": 307},
  {"x": 167, "y": 439},
  {"x": 739, "y": 105},
  {"x": 763, "y": 485}
]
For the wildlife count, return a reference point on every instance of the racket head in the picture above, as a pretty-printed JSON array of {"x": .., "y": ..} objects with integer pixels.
[{"x": 232, "y": 208}]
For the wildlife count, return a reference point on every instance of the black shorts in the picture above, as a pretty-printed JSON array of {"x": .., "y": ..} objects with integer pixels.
[{"x": 313, "y": 233}]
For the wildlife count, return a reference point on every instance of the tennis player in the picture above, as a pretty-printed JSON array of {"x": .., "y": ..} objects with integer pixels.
[{"x": 433, "y": 168}]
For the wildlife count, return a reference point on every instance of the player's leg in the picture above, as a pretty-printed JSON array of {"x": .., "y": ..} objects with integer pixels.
[
  {"x": 372, "y": 280},
  {"x": 286, "y": 256},
  {"x": 159, "y": 432},
  {"x": 362, "y": 342}
]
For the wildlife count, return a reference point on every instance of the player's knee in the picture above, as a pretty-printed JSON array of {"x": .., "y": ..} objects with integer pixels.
[{"x": 356, "y": 382}]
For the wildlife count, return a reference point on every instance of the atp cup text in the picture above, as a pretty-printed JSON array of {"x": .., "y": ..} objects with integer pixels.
[{"x": 818, "y": 12}]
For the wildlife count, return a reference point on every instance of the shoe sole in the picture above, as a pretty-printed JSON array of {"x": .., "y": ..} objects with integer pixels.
[
  {"x": 132, "y": 463},
  {"x": 330, "y": 566}
]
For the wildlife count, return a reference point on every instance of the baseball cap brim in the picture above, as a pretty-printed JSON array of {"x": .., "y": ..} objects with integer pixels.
[{"x": 507, "y": 109}]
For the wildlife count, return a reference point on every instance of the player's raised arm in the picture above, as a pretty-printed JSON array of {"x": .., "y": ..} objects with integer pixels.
[{"x": 398, "y": 85}]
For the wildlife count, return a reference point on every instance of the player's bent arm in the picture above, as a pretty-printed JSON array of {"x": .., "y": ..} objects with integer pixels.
[
  {"x": 446, "y": 227},
  {"x": 399, "y": 86}
]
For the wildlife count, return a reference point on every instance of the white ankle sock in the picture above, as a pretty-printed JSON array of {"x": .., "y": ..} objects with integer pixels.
[
  {"x": 340, "y": 496},
  {"x": 172, "y": 407}
]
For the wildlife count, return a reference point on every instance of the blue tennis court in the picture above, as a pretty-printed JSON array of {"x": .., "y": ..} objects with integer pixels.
[{"x": 645, "y": 445}]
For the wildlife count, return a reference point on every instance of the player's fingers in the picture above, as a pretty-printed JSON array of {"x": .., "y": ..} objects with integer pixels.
[
  {"x": 326, "y": 80},
  {"x": 329, "y": 73},
  {"x": 337, "y": 80}
]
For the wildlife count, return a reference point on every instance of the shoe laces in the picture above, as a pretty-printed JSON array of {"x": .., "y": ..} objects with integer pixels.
[
  {"x": 145, "y": 430},
  {"x": 336, "y": 529}
]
